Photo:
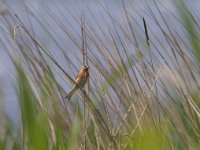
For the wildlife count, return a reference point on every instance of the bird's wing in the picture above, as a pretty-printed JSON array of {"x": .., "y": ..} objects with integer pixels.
[{"x": 79, "y": 74}]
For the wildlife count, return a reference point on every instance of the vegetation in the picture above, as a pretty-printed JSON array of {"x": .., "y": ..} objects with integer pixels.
[{"x": 143, "y": 90}]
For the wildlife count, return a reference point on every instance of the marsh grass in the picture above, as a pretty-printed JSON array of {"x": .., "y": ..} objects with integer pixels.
[{"x": 143, "y": 90}]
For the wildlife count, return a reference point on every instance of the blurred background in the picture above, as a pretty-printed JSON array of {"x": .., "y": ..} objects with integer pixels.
[
  {"x": 60, "y": 27},
  {"x": 37, "y": 15}
]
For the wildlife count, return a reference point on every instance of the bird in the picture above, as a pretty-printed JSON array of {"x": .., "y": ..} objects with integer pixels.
[{"x": 80, "y": 80}]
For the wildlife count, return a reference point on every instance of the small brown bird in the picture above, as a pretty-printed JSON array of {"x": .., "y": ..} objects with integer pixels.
[{"x": 80, "y": 80}]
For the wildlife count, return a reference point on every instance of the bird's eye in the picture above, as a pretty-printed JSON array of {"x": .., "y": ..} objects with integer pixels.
[{"x": 86, "y": 68}]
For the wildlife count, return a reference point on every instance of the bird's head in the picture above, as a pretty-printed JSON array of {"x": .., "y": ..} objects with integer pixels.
[{"x": 85, "y": 67}]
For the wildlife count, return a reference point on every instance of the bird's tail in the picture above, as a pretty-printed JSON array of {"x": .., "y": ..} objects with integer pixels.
[{"x": 69, "y": 95}]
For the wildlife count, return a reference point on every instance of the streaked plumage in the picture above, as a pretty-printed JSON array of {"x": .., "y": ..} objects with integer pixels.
[{"x": 80, "y": 80}]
